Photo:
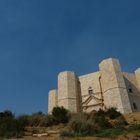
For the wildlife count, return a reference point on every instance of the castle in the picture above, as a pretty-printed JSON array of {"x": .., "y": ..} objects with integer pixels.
[{"x": 109, "y": 87}]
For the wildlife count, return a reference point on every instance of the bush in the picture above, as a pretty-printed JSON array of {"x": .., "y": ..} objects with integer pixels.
[
  {"x": 120, "y": 122},
  {"x": 134, "y": 127},
  {"x": 81, "y": 125},
  {"x": 60, "y": 114},
  {"x": 102, "y": 122},
  {"x": 6, "y": 114},
  {"x": 10, "y": 126},
  {"x": 99, "y": 118},
  {"x": 47, "y": 120},
  {"x": 112, "y": 113},
  {"x": 112, "y": 133},
  {"x": 37, "y": 119},
  {"x": 24, "y": 119},
  {"x": 67, "y": 133}
]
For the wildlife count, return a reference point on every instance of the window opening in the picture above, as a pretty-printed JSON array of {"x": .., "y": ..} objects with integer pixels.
[
  {"x": 90, "y": 91},
  {"x": 135, "y": 106},
  {"x": 130, "y": 90}
]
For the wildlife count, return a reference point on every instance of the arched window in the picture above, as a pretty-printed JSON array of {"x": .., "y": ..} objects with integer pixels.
[
  {"x": 90, "y": 90},
  {"x": 135, "y": 106}
]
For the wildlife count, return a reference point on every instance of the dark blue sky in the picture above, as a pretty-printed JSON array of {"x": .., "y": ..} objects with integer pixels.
[{"x": 40, "y": 38}]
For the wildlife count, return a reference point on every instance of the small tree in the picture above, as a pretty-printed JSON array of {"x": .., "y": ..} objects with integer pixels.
[{"x": 60, "y": 114}]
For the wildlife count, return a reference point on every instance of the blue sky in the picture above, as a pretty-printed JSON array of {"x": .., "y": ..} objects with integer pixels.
[{"x": 40, "y": 38}]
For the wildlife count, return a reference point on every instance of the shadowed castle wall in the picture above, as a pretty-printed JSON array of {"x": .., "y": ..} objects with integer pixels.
[{"x": 132, "y": 89}]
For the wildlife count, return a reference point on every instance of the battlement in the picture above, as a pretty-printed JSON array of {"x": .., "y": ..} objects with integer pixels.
[{"x": 108, "y": 87}]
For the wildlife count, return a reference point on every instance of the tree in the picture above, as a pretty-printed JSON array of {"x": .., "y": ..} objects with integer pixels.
[{"x": 60, "y": 114}]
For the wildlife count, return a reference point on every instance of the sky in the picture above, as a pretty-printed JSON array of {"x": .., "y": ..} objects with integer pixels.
[{"x": 40, "y": 38}]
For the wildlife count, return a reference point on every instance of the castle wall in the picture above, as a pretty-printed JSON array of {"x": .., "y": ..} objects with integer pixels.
[
  {"x": 113, "y": 85},
  {"x": 116, "y": 88},
  {"x": 90, "y": 81},
  {"x": 52, "y": 100},
  {"x": 132, "y": 89},
  {"x": 137, "y": 74},
  {"x": 67, "y": 90}
]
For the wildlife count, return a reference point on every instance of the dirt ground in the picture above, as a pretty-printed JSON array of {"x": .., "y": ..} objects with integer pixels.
[{"x": 82, "y": 138}]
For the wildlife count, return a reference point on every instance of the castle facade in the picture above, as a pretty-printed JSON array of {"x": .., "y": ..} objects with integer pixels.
[{"x": 109, "y": 87}]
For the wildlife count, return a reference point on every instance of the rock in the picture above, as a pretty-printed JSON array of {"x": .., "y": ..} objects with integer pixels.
[
  {"x": 53, "y": 132},
  {"x": 40, "y": 135}
]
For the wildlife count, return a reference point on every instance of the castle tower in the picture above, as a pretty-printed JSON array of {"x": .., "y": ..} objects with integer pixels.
[
  {"x": 68, "y": 91},
  {"x": 52, "y": 100},
  {"x": 137, "y": 74},
  {"x": 113, "y": 86}
]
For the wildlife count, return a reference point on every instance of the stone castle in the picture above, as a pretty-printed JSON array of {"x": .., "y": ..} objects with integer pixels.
[{"x": 109, "y": 87}]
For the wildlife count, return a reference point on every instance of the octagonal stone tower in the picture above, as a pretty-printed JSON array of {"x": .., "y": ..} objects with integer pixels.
[
  {"x": 114, "y": 89},
  {"x": 68, "y": 91},
  {"x": 52, "y": 100}
]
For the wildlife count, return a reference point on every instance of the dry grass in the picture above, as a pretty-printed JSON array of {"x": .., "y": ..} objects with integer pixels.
[
  {"x": 79, "y": 138},
  {"x": 60, "y": 138},
  {"x": 133, "y": 117}
]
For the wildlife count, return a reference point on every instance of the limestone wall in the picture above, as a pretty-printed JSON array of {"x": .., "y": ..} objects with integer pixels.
[
  {"x": 113, "y": 85},
  {"x": 67, "y": 90},
  {"x": 137, "y": 74},
  {"x": 52, "y": 100},
  {"x": 132, "y": 89},
  {"x": 90, "y": 81}
]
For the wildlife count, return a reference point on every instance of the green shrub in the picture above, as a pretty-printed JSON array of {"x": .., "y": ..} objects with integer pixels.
[
  {"x": 112, "y": 113},
  {"x": 24, "y": 119},
  {"x": 47, "y": 120},
  {"x": 81, "y": 125},
  {"x": 99, "y": 118},
  {"x": 35, "y": 131},
  {"x": 37, "y": 119},
  {"x": 134, "y": 127},
  {"x": 112, "y": 133},
  {"x": 67, "y": 133},
  {"x": 10, "y": 126},
  {"x": 60, "y": 114},
  {"x": 6, "y": 114},
  {"x": 120, "y": 122},
  {"x": 102, "y": 122}
]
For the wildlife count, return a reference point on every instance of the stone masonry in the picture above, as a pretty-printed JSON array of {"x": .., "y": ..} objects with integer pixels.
[{"x": 109, "y": 87}]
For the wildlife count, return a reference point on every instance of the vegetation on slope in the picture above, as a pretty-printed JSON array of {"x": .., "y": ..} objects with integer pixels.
[
  {"x": 109, "y": 123},
  {"x": 84, "y": 124}
]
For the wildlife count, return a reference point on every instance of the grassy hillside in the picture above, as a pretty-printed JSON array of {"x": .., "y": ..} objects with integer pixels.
[{"x": 63, "y": 125}]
